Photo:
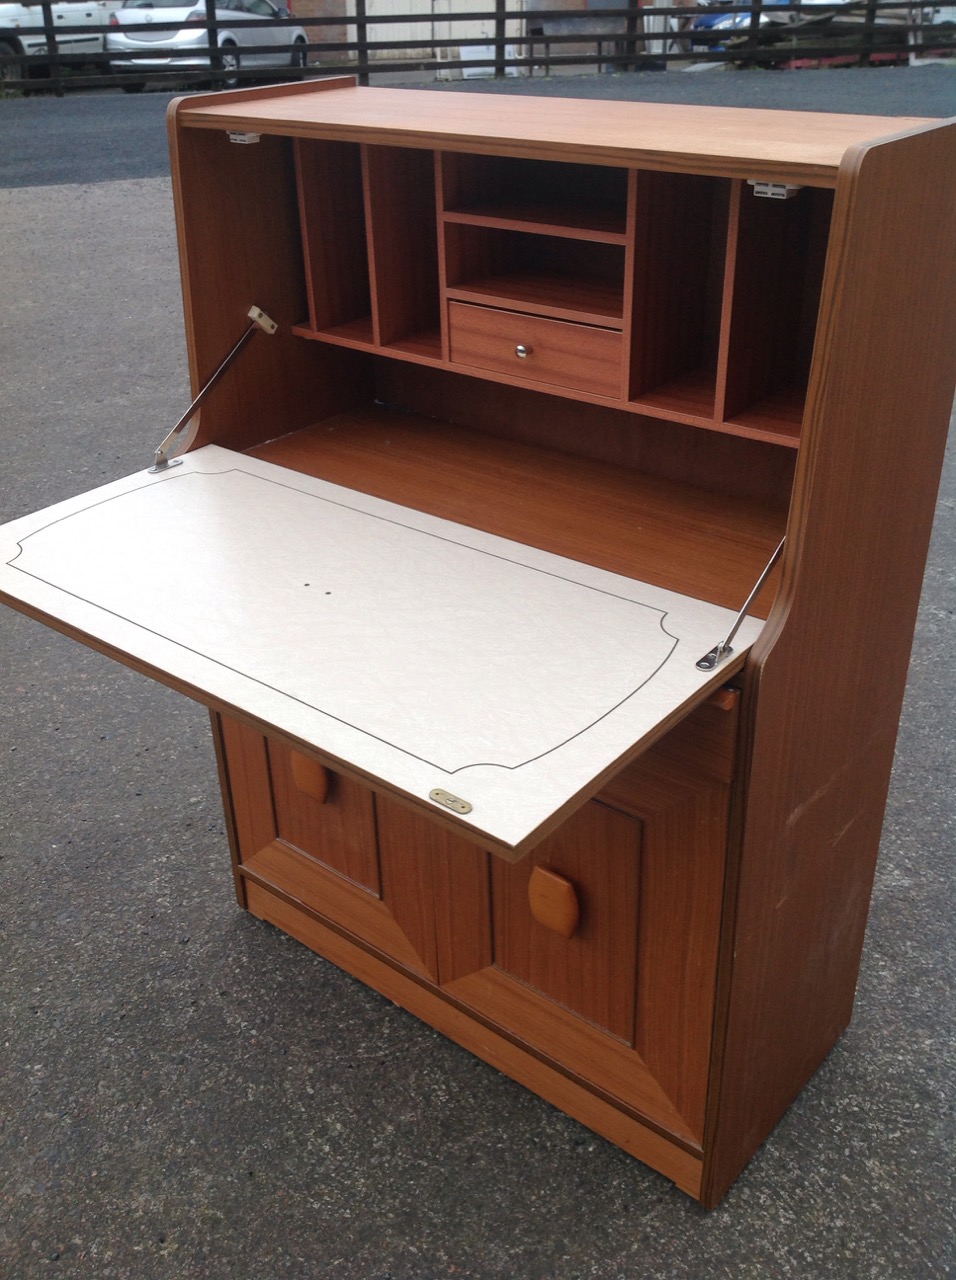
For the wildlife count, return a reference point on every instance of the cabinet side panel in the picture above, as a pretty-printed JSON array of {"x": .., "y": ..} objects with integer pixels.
[
  {"x": 830, "y": 668},
  {"x": 249, "y": 798},
  {"x": 228, "y": 803},
  {"x": 239, "y": 244}
]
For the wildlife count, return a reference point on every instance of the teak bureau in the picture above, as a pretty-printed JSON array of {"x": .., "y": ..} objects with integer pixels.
[{"x": 527, "y": 395}]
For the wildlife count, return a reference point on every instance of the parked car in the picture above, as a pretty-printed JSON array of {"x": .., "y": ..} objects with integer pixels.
[
  {"x": 251, "y": 33},
  {"x": 719, "y": 20},
  {"x": 23, "y": 47},
  {"x": 815, "y": 20}
]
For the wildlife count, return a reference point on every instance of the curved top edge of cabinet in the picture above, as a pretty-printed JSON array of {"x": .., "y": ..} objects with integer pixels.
[{"x": 761, "y": 143}]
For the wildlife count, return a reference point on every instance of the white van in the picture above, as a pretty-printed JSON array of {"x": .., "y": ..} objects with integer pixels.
[{"x": 21, "y": 37}]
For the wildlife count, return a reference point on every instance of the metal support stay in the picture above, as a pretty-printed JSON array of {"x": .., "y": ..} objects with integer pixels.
[
  {"x": 723, "y": 649},
  {"x": 182, "y": 434}
]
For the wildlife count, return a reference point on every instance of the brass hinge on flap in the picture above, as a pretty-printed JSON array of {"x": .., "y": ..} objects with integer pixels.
[{"x": 182, "y": 434}]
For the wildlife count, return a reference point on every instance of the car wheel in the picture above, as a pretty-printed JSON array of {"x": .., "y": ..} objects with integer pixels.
[
  {"x": 230, "y": 65},
  {"x": 9, "y": 70},
  {"x": 299, "y": 56}
]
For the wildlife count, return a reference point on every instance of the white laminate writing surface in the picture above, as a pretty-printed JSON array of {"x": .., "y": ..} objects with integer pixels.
[{"x": 423, "y": 654}]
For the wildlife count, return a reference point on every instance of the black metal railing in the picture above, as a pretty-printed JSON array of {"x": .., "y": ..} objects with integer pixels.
[{"x": 531, "y": 41}]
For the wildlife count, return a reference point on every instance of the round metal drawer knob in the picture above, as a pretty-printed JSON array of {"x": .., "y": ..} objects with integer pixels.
[{"x": 522, "y": 352}]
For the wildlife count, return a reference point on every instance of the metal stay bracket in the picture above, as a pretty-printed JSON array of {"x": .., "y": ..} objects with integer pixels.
[
  {"x": 182, "y": 434},
  {"x": 723, "y": 650}
]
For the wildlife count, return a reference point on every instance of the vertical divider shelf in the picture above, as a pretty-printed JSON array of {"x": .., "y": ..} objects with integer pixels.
[
  {"x": 630, "y": 243},
  {"x": 679, "y": 247},
  {"x": 770, "y": 311},
  {"x": 443, "y": 162},
  {"x": 369, "y": 243},
  {"x": 403, "y": 248},
  {"x": 331, "y": 214}
]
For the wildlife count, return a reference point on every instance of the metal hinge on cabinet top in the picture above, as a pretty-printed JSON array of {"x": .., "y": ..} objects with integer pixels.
[
  {"x": 773, "y": 190},
  {"x": 182, "y": 434},
  {"x": 723, "y": 649}
]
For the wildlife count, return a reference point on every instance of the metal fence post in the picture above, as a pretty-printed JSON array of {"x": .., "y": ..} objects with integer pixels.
[
  {"x": 361, "y": 36},
  {"x": 52, "y": 49},
  {"x": 869, "y": 22},
  {"x": 500, "y": 49},
  {"x": 753, "y": 30},
  {"x": 632, "y": 24},
  {"x": 215, "y": 57}
]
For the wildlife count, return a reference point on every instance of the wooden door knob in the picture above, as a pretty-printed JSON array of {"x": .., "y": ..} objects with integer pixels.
[
  {"x": 553, "y": 900},
  {"x": 724, "y": 698},
  {"x": 309, "y": 776}
]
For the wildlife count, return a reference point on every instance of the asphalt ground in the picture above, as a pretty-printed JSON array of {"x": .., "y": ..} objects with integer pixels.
[{"x": 184, "y": 1092}]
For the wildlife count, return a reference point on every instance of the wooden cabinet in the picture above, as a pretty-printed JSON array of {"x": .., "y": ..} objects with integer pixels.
[
  {"x": 550, "y": 382},
  {"x": 598, "y": 951}
]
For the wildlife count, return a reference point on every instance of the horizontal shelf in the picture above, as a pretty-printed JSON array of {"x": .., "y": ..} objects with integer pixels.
[
  {"x": 419, "y": 348},
  {"x": 561, "y": 297},
  {"x": 689, "y": 400},
  {"x": 422, "y": 346},
  {"x": 778, "y": 418},
  {"x": 672, "y": 534},
  {"x": 691, "y": 397},
  {"x": 353, "y": 333},
  {"x": 604, "y": 226}
]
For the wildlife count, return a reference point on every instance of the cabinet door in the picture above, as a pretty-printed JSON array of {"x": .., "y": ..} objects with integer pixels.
[
  {"x": 601, "y": 951},
  {"x": 308, "y": 834},
  {"x": 565, "y": 918},
  {"x": 597, "y": 952}
]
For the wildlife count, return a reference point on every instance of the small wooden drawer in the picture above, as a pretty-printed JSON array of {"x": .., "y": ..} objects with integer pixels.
[{"x": 578, "y": 356}]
